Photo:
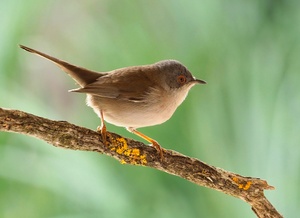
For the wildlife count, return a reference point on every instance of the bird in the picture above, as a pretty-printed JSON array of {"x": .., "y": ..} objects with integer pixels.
[{"x": 131, "y": 97}]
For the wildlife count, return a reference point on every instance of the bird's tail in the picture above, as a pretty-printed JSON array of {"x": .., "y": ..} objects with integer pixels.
[{"x": 80, "y": 75}]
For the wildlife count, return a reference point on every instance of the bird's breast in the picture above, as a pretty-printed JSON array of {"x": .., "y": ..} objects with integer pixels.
[{"x": 157, "y": 107}]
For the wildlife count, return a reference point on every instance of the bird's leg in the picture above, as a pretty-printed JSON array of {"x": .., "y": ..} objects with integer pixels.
[
  {"x": 152, "y": 141},
  {"x": 102, "y": 128}
]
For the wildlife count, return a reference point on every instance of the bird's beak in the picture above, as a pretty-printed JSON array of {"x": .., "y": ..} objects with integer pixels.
[{"x": 199, "y": 81}]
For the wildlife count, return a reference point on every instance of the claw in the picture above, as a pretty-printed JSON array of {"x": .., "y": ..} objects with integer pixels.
[{"x": 154, "y": 143}]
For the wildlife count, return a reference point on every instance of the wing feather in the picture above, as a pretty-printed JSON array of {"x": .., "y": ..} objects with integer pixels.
[{"x": 131, "y": 84}]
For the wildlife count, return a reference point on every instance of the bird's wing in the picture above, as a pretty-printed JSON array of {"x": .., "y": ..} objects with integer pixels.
[{"x": 127, "y": 84}]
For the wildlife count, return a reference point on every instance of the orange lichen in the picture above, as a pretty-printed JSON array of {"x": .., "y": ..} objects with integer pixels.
[
  {"x": 247, "y": 186},
  {"x": 143, "y": 159},
  {"x": 235, "y": 179},
  {"x": 119, "y": 145},
  {"x": 242, "y": 185},
  {"x": 123, "y": 162}
]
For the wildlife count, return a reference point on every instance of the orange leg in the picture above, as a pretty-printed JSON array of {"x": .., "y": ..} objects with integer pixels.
[
  {"x": 152, "y": 141},
  {"x": 102, "y": 128}
]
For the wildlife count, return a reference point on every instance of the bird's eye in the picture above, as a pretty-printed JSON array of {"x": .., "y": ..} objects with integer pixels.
[{"x": 181, "y": 79}]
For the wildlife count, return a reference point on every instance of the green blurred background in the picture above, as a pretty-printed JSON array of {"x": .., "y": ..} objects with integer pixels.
[{"x": 245, "y": 120}]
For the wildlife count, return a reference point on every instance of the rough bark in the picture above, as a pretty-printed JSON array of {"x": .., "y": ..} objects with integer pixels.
[{"x": 127, "y": 151}]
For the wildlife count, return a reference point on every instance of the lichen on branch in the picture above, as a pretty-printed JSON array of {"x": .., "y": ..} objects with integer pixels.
[{"x": 127, "y": 151}]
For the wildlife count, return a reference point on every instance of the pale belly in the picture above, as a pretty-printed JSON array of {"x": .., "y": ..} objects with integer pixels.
[{"x": 135, "y": 114}]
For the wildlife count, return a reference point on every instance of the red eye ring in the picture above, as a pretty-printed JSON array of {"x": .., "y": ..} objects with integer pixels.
[{"x": 181, "y": 79}]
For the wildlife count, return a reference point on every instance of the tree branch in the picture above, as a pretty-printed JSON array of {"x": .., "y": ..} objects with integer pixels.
[{"x": 127, "y": 151}]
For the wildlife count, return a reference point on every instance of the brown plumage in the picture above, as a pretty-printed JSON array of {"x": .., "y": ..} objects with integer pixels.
[{"x": 132, "y": 97}]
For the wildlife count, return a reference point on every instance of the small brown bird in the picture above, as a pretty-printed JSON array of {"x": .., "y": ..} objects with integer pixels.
[{"x": 132, "y": 97}]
